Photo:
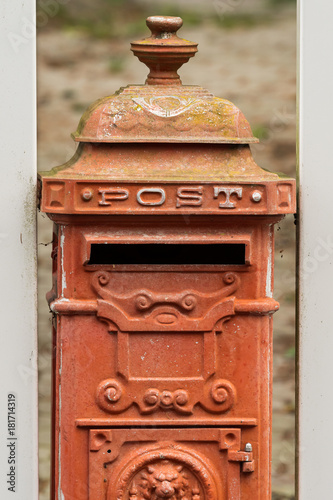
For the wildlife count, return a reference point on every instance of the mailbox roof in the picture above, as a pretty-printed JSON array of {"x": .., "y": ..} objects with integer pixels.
[
  {"x": 158, "y": 113},
  {"x": 164, "y": 110}
]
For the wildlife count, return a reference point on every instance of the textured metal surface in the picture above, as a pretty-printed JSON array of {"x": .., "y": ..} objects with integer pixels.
[
  {"x": 165, "y": 179},
  {"x": 161, "y": 113},
  {"x": 162, "y": 375},
  {"x": 137, "y": 346}
]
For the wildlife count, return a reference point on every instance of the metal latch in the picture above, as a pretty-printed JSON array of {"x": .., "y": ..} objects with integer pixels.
[{"x": 246, "y": 457}]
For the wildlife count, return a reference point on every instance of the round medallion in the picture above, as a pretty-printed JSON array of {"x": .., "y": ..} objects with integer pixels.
[{"x": 165, "y": 473}]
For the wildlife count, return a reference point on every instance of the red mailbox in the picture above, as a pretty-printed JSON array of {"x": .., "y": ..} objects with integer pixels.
[{"x": 162, "y": 297}]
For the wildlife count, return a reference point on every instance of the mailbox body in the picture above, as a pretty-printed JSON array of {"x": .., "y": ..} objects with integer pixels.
[{"x": 162, "y": 302}]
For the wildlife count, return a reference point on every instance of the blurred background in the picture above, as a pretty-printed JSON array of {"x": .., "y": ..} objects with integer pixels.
[{"x": 247, "y": 54}]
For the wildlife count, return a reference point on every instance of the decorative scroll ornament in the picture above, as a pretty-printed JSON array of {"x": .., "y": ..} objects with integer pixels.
[
  {"x": 109, "y": 392},
  {"x": 166, "y": 400},
  {"x": 219, "y": 396},
  {"x": 223, "y": 393},
  {"x": 147, "y": 310}
]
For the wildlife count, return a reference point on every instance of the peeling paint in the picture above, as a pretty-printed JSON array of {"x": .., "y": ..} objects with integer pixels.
[
  {"x": 60, "y": 493},
  {"x": 63, "y": 272},
  {"x": 54, "y": 305},
  {"x": 269, "y": 271}
]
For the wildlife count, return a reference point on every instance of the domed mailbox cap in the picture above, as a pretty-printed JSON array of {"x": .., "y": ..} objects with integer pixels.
[{"x": 164, "y": 110}]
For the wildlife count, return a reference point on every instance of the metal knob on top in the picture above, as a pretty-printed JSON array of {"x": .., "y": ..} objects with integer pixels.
[
  {"x": 164, "y": 52},
  {"x": 163, "y": 26}
]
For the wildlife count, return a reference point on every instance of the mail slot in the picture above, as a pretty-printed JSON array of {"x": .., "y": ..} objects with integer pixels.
[
  {"x": 167, "y": 254},
  {"x": 162, "y": 295}
]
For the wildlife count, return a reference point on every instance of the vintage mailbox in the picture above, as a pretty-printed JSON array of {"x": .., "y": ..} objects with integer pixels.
[{"x": 162, "y": 297}]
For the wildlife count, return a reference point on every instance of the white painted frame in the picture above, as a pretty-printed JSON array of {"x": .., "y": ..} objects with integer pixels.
[
  {"x": 18, "y": 353},
  {"x": 315, "y": 251}
]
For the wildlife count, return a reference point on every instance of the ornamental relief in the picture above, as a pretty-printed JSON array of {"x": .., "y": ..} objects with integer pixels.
[
  {"x": 147, "y": 310},
  {"x": 165, "y": 479},
  {"x": 215, "y": 397},
  {"x": 164, "y": 471},
  {"x": 159, "y": 463},
  {"x": 167, "y": 105},
  {"x": 161, "y": 367},
  {"x": 173, "y": 114}
]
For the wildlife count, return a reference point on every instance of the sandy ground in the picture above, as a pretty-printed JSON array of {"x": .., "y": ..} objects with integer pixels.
[{"x": 254, "y": 68}]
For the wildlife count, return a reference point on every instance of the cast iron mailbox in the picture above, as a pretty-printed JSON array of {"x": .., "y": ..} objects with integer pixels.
[{"x": 163, "y": 273}]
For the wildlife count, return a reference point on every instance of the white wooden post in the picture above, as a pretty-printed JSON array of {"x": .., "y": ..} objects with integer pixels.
[
  {"x": 315, "y": 356},
  {"x": 18, "y": 353}
]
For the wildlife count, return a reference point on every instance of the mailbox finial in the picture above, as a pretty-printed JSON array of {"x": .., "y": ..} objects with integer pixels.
[{"x": 164, "y": 52}]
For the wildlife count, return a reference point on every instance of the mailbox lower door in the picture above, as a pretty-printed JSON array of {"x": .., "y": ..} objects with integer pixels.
[{"x": 166, "y": 464}]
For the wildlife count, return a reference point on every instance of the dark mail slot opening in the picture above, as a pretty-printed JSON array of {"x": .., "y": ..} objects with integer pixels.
[{"x": 167, "y": 254}]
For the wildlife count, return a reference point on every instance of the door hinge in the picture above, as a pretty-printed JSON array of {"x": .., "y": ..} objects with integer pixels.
[{"x": 246, "y": 457}]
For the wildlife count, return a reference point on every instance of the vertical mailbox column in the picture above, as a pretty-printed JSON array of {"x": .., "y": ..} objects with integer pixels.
[{"x": 163, "y": 293}]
